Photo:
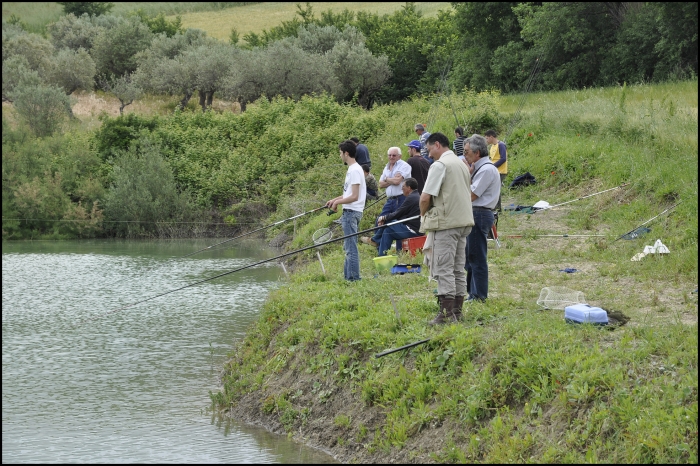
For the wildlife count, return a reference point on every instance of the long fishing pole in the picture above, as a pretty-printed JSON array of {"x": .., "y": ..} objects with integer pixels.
[
  {"x": 652, "y": 218},
  {"x": 584, "y": 197},
  {"x": 247, "y": 267},
  {"x": 565, "y": 235},
  {"x": 255, "y": 231}
]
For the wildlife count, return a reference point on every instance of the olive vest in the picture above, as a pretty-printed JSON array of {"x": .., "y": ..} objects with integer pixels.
[{"x": 452, "y": 207}]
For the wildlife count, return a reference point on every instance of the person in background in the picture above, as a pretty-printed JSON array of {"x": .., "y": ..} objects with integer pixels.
[
  {"x": 392, "y": 178},
  {"x": 446, "y": 207},
  {"x": 499, "y": 158},
  {"x": 353, "y": 200},
  {"x": 361, "y": 153},
  {"x": 458, "y": 143},
  {"x": 408, "y": 209},
  {"x": 485, "y": 191},
  {"x": 419, "y": 166},
  {"x": 371, "y": 183},
  {"x": 423, "y": 136}
]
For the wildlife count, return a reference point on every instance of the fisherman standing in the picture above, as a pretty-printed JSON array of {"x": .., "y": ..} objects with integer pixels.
[
  {"x": 446, "y": 207},
  {"x": 485, "y": 192},
  {"x": 353, "y": 200}
]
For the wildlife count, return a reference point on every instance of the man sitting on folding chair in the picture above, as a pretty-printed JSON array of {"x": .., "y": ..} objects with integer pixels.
[{"x": 485, "y": 192}]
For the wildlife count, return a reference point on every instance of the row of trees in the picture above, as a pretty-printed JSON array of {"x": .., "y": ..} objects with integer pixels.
[{"x": 360, "y": 57}]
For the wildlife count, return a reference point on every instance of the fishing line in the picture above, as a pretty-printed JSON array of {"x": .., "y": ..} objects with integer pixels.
[
  {"x": 584, "y": 197},
  {"x": 155, "y": 267},
  {"x": 245, "y": 267}
]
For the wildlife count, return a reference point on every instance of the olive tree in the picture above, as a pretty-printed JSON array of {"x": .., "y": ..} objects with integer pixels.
[
  {"x": 115, "y": 49},
  {"x": 280, "y": 69},
  {"x": 359, "y": 72},
  {"x": 43, "y": 107},
  {"x": 212, "y": 64},
  {"x": 72, "y": 70},
  {"x": 16, "y": 73},
  {"x": 123, "y": 88}
]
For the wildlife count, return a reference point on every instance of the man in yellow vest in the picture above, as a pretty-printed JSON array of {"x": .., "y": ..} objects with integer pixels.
[{"x": 498, "y": 156}]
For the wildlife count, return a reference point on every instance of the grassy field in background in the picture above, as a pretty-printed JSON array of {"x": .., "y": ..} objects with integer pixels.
[
  {"x": 260, "y": 16},
  {"x": 246, "y": 18}
]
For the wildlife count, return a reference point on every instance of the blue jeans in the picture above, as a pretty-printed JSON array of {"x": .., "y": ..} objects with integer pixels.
[
  {"x": 394, "y": 232},
  {"x": 476, "y": 266},
  {"x": 391, "y": 205},
  {"x": 351, "y": 225}
]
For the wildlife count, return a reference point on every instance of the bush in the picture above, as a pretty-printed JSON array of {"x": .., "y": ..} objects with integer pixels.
[
  {"x": 44, "y": 108},
  {"x": 144, "y": 193}
]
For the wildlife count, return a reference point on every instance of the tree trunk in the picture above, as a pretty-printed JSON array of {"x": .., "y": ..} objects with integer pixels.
[
  {"x": 203, "y": 100},
  {"x": 210, "y": 98},
  {"x": 185, "y": 99}
]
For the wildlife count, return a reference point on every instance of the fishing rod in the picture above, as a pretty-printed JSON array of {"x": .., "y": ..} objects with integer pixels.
[
  {"x": 672, "y": 207},
  {"x": 584, "y": 197},
  {"x": 565, "y": 235},
  {"x": 255, "y": 231},
  {"x": 247, "y": 267}
]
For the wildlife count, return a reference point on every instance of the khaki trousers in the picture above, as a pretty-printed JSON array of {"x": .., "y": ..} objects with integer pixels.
[{"x": 448, "y": 260}]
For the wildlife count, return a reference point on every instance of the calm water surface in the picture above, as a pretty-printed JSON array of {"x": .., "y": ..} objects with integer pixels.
[{"x": 83, "y": 384}]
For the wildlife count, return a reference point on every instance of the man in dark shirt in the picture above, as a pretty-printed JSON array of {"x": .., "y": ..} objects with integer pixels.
[
  {"x": 409, "y": 208},
  {"x": 361, "y": 153},
  {"x": 419, "y": 166}
]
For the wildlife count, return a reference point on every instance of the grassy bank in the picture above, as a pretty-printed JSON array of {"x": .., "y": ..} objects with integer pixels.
[{"x": 512, "y": 382}]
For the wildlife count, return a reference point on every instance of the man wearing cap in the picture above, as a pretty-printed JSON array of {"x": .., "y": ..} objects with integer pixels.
[{"x": 419, "y": 166}]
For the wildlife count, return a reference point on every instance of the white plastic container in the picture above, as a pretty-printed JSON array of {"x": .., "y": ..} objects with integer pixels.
[{"x": 583, "y": 313}]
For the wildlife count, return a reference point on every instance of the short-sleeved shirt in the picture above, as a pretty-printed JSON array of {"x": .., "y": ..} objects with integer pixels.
[
  {"x": 399, "y": 167},
  {"x": 486, "y": 184},
  {"x": 355, "y": 175}
]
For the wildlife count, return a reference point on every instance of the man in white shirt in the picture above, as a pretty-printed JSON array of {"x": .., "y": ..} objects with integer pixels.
[
  {"x": 392, "y": 180},
  {"x": 353, "y": 200}
]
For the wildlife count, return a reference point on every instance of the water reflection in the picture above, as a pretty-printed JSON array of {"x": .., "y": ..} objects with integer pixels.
[{"x": 132, "y": 385}]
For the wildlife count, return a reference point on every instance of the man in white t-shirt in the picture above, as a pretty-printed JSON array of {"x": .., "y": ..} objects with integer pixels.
[{"x": 353, "y": 200}]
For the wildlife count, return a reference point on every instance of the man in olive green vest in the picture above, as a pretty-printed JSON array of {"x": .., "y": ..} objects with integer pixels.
[{"x": 446, "y": 210}]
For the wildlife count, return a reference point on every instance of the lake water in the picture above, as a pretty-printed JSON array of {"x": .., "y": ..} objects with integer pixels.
[{"x": 83, "y": 381}]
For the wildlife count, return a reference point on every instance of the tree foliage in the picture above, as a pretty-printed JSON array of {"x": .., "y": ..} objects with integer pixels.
[
  {"x": 143, "y": 192},
  {"x": 89, "y": 8},
  {"x": 44, "y": 108},
  {"x": 114, "y": 50}
]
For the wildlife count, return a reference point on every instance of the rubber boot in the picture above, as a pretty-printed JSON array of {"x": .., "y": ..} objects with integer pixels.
[
  {"x": 445, "y": 312},
  {"x": 457, "y": 308}
]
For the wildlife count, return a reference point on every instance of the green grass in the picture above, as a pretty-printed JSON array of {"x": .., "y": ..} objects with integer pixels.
[
  {"x": 260, "y": 16},
  {"x": 512, "y": 382},
  {"x": 246, "y": 18}
]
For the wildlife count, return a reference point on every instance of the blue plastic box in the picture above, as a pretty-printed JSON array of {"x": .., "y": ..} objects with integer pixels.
[
  {"x": 584, "y": 313},
  {"x": 405, "y": 268}
]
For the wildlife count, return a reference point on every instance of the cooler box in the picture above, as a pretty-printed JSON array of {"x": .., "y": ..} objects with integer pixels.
[
  {"x": 405, "y": 268},
  {"x": 413, "y": 244},
  {"x": 583, "y": 313}
]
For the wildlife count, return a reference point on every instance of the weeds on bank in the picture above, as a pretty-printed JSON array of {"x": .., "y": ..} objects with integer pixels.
[{"x": 513, "y": 382}]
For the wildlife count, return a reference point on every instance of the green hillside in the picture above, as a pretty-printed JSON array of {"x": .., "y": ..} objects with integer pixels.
[{"x": 513, "y": 382}]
